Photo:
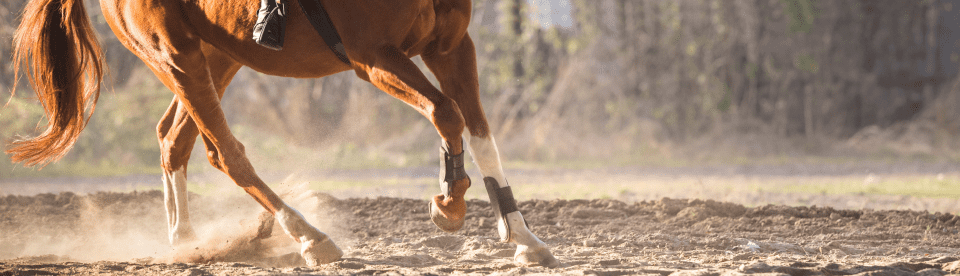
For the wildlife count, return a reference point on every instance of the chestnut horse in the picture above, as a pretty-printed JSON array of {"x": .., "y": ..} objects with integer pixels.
[{"x": 196, "y": 46}]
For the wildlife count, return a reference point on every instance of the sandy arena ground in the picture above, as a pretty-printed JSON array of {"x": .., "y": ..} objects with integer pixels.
[{"x": 124, "y": 233}]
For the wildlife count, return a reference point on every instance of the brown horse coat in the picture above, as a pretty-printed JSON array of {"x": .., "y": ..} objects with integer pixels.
[{"x": 195, "y": 47}]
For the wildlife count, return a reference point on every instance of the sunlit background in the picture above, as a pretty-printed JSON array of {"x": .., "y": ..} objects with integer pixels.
[{"x": 852, "y": 104}]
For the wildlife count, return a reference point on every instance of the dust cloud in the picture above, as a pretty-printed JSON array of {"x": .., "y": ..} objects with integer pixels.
[{"x": 108, "y": 226}]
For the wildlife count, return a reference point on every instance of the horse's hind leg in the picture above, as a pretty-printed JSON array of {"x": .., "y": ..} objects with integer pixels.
[
  {"x": 174, "y": 153},
  {"x": 166, "y": 45},
  {"x": 457, "y": 73},
  {"x": 177, "y": 133}
]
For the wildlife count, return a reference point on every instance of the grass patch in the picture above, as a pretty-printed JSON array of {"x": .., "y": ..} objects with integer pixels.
[
  {"x": 103, "y": 168},
  {"x": 931, "y": 186}
]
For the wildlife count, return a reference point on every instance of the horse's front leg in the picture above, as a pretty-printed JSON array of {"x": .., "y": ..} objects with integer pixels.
[
  {"x": 448, "y": 210},
  {"x": 398, "y": 76},
  {"x": 457, "y": 73},
  {"x": 510, "y": 223}
]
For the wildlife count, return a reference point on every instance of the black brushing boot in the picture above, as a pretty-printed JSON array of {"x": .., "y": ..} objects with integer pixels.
[{"x": 268, "y": 32}]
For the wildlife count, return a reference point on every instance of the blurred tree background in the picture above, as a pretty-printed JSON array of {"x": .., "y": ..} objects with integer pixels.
[{"x": 627, "y": 82}]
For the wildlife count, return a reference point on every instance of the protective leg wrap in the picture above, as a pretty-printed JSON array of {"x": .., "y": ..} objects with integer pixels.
[
  {"x": 500, "y": 198},
  {"x": 503, "y": 203},
  {"x": 449, "y": 209},
  {"x": 453, "y": 170}
]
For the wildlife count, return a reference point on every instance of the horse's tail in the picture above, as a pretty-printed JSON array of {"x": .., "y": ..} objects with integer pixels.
[{"x": 62, "y": 60}]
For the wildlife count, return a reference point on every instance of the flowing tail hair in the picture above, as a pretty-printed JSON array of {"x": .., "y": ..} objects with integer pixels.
[{"x": 58, "y": 49}]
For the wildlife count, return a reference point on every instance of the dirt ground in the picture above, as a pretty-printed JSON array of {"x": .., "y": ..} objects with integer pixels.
[{"x": 124, "y": 233}]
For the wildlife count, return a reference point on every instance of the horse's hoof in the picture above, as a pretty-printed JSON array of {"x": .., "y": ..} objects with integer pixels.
[
  {"x": 445, "y": 223},
  {"x": 320, "y": 251},
  {"x": 536, "y": 257},
  {"x": 181, "y": 236}
]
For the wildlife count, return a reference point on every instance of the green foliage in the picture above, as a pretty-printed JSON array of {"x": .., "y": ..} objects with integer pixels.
[
  {"x": 919, "y": 186},
  {"x": 723, "y": 105},
  {"x": 21, "y": 114},
  {"x": 751, "y": 70},
  {"x": 120, "y": 137},
  {"x": 806, "y": 63},
  {"x": 586, "y": 12},
  {"x": 802, "y": 14},
  {"x": 18, "y": 116}
]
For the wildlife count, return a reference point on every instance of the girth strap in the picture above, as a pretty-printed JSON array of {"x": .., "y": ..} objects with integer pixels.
[{"x": 318, "y": 17}]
